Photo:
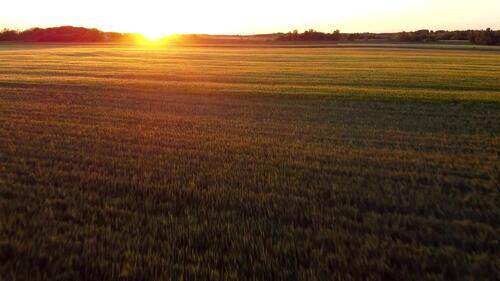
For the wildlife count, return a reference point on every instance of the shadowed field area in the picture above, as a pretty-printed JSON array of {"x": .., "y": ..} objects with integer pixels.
[{"x": 199, "y": 163}]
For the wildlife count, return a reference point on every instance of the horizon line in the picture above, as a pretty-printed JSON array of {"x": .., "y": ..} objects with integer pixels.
[{"x": 244, "y": 34}]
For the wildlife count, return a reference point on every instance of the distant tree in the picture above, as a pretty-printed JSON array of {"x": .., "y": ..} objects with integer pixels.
[
  {"x": 459, "y": 35},
  {"x": 471, "y": 36},
  {"x": 482, "y": 37},
  {"x": 8, "y": 35},
  {"x": 403, "y": 36},
  {"x": 336, "y": 36},
  {"x": 487, "y": 37}
]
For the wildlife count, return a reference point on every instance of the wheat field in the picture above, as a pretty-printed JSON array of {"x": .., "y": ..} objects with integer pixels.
[{"x": 246, "y": 163}]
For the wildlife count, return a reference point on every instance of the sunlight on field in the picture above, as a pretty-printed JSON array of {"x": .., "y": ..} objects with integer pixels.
[{"x": 141, "y": 163}]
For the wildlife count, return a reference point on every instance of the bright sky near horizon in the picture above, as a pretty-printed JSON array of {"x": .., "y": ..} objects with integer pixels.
[{"x": 156, "y": 18}]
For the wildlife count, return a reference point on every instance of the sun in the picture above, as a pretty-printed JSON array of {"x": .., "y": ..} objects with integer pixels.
[
  {"x": 151, "y": 38},
  {"x": 153, "y": 35}
]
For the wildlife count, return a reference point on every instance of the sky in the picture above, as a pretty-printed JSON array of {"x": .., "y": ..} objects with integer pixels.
[{"x": 156, "y": 18}]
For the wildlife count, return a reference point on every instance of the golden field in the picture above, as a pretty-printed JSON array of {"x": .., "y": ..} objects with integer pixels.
[{"x": 249, "y": 163}]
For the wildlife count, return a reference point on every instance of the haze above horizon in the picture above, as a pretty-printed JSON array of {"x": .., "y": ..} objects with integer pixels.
[{"x": 155, "y": 19}]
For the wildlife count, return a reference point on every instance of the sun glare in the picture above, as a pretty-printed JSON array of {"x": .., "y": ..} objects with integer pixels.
[
  {"x": 151, "y": 38},
  {"x": 153, "y": 35}
]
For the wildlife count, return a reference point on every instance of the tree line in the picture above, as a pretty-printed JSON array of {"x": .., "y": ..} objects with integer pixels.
[
  {"x": 80, "y": 34},
  {"x": 479, "y": 37},
  {"x": 311, "y": 35},
  {"x": 64, "y": 34}
]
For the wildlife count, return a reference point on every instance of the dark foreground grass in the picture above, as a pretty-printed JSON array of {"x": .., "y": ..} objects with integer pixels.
[{"x": 249, "y": 164}]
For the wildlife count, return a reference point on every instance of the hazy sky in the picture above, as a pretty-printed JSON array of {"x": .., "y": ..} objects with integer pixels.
[{"x": 155, "y": 18}]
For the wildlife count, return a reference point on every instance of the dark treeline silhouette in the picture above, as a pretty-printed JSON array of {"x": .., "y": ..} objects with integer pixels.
[
  {"x": 310, "y": 35},
  {"x": 64, "y": 34},
  {"x": 479, "y": 37},
  {"x": 484, "y": 37},
  {"x": 80, "y": 34}
]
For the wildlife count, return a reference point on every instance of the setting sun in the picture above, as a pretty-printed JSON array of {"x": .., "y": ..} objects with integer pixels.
[{"x": 153, "y": 35}]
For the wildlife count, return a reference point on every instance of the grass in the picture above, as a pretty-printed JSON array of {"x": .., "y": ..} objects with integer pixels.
[{"x": 198, "y": 163}]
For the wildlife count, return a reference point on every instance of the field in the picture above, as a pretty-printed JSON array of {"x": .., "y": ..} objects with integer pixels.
[{"x": 246, "y": 163}]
